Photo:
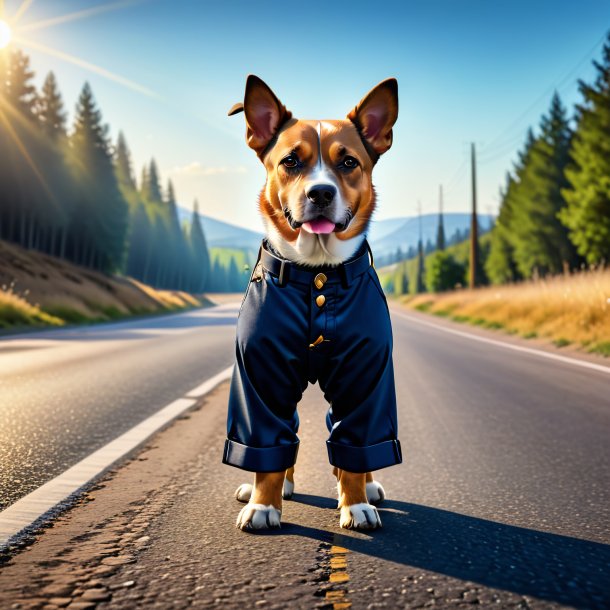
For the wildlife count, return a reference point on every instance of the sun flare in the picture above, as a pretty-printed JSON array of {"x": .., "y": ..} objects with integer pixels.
[{"x": 5, "y": 34}]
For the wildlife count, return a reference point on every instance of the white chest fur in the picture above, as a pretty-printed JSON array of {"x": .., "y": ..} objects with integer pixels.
[{"x": 315, "y": 250}]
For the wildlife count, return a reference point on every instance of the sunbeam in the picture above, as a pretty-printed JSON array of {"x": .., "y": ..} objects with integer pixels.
[
  {"x": 20, "y": 146},
  {"x": 84, "y": 14},
  {"x": 25, "y": 5},
  {"x": 86, "y": 65}
]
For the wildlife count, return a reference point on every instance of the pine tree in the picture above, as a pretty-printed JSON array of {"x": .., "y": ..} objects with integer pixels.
[
  {"x": 200, "y": 254},
  {"x": 154, "y": 183},
  {"x": 178, "y": 245},
  {"x": 235, "y": 277},
  {"x": 55, "y": 211},
  {"x": 500, "y": 265},
  {"x": 100, "y": 220},
  {"x": 140, "y": 243},
  {"x": 124, "y": 172},
  {"x": 144, "y": 184},
  {"x": 50, "y": 109},
  {"x": 20, "y": 92},
  {"x": 218, "y": 281},
  {"x": 587, "y": 214},
  {"x": 541, "y": 243},
  {"x": 22, "y": 187}
]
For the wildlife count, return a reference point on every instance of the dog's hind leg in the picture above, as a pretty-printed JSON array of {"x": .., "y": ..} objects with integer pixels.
[
  {"x": 288, "y": 484},
  {"x": 375, "y": 492},
  {"x": 356, "y": 512},
  {"x": 264, "y": 509},
  {"x": 244, "y": 492}
]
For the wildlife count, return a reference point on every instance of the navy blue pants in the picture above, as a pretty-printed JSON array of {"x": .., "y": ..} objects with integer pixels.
[{"x": 300, "y": 325}]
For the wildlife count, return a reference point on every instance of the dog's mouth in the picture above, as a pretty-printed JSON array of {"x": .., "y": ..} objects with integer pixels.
[{"x": 320, "y": 225}]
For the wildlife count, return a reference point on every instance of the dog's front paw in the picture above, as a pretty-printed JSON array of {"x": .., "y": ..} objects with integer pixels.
[
  {"x": 258, "y": 517},
  {"x": 359, "y": 517},
  {"x": 243, "y": 493},
  {"x": 375, "y": 493}
]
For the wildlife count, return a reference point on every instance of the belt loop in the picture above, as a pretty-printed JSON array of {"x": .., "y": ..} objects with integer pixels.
[
  {"x": 283, "y": 276},
  {"x": 343, "y": 275},
  {"x": 258, "y": 258},
  {"x": 368, "y": 247}
]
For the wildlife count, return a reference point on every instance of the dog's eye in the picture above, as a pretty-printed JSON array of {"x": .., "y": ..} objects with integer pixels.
[
  {"x": 349, "y": 162},
  {"x": 290, "y": 161}
]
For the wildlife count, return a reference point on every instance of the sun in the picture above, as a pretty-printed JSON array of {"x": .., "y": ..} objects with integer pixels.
[{"x": 5, "y": 34}]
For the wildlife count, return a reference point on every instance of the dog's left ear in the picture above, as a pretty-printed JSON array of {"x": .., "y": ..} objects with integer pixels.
[
  {"x": 265, "y": 114},
  {"x": 375, "y": 115}
]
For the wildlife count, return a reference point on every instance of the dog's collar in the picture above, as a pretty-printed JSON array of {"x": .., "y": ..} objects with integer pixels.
[{"x": 288, "y": 271}]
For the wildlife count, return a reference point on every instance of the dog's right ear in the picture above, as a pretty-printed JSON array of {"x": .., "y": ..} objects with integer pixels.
[{"x": 265, "y": 114}]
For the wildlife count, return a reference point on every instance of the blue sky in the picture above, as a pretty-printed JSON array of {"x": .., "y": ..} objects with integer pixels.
[{"x": 468, "y": 70}]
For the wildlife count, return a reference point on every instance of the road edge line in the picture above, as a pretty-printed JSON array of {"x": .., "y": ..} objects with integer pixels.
[
  {"x": 30, "y": 512},
  {"x": 504, "y": 344}
]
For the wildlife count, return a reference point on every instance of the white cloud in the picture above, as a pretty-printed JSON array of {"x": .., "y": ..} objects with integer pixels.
[{"x": 197, "y": 169}]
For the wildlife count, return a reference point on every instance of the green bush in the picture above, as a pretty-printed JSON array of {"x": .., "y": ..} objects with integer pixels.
[{"x": 443, "y": 272}]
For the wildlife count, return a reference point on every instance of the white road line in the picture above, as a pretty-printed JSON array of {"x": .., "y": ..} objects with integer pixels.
[
  {"x": 528, "y": 350},
  {"x": 35, "y": 506}
]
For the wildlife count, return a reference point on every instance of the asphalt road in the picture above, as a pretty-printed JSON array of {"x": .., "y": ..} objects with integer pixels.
[
  {"x": 503, "y": 499},
  {"x": 65, "y": 393}
]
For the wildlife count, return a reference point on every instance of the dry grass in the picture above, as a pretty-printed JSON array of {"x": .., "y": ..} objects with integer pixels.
[
  {"x": 36, "y": 289},
  {"x": 570, "y": 309},
  {"x": 16, "y": 311}
]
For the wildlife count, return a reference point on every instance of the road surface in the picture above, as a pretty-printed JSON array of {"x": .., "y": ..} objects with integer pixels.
[{"x": 503, "y": 499}]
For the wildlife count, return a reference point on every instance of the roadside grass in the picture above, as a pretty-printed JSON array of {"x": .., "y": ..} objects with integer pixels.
[
  {"x": 565, "y": 310},
  {"x": 16, "y": 311},
  {"x": 40, "y": 290}
]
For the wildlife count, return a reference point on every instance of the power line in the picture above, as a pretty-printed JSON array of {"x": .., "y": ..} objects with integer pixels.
[{"x": 497, "y": 141}]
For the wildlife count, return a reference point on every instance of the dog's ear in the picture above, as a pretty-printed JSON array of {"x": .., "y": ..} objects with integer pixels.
[
  {"x": 265, "y": 114},
  {"x": 375, "y": 115}
]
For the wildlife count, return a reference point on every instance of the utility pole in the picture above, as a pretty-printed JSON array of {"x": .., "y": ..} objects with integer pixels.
[
  {"x": 474, "y": 237},
  {"x": 440, "y": 234},
  {"x": 420, "y": 254}
]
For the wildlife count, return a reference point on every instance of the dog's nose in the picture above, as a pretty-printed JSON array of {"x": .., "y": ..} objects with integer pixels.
[{"x": 321, "y": 195}]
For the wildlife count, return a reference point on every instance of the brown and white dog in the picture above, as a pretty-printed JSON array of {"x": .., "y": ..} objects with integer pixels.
[{"x": 316, "y": 206}]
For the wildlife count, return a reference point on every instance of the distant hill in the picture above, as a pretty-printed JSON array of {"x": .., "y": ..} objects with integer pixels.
[
  {"x": 385, "y": 236},
  {"x": 221, "y": 234}
]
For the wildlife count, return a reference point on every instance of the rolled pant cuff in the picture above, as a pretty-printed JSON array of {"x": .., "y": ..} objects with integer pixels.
[
  {"x": 364, "y": 459},
  {"x": 260, "y": 459}
]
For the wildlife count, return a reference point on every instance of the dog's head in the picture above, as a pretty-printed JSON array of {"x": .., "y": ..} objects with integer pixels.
[{"x": 319, "y": 194}]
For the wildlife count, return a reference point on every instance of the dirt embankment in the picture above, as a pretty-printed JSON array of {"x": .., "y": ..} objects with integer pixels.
[{"x": 41, "y": 290}]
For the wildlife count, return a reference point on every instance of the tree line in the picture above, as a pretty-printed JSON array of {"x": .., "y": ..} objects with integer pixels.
[
  {"x": 71, "y": 193},
  {"x": 555, "y": 206}
]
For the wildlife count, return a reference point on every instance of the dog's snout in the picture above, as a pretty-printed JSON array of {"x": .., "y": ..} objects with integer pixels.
[{"x": 321, "y": 195}]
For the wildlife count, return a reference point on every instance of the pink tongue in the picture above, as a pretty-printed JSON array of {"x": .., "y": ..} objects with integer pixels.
[{"x": 320, "y": 225}]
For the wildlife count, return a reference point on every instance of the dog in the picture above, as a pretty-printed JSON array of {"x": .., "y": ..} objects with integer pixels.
[{"x": 314, "y": 309}]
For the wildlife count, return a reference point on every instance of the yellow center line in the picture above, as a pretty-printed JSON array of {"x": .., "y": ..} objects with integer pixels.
[{"x": 338, "y": 575}]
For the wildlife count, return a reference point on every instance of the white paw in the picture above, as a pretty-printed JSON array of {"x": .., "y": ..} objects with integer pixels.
[
  {"x": 375, "y": 493},
  {"x": 288, "y": 489},
  {"x": 258, "y": 517},
  {"x": 359, "y": 517},
  {"x": 243, "y": 493}
]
